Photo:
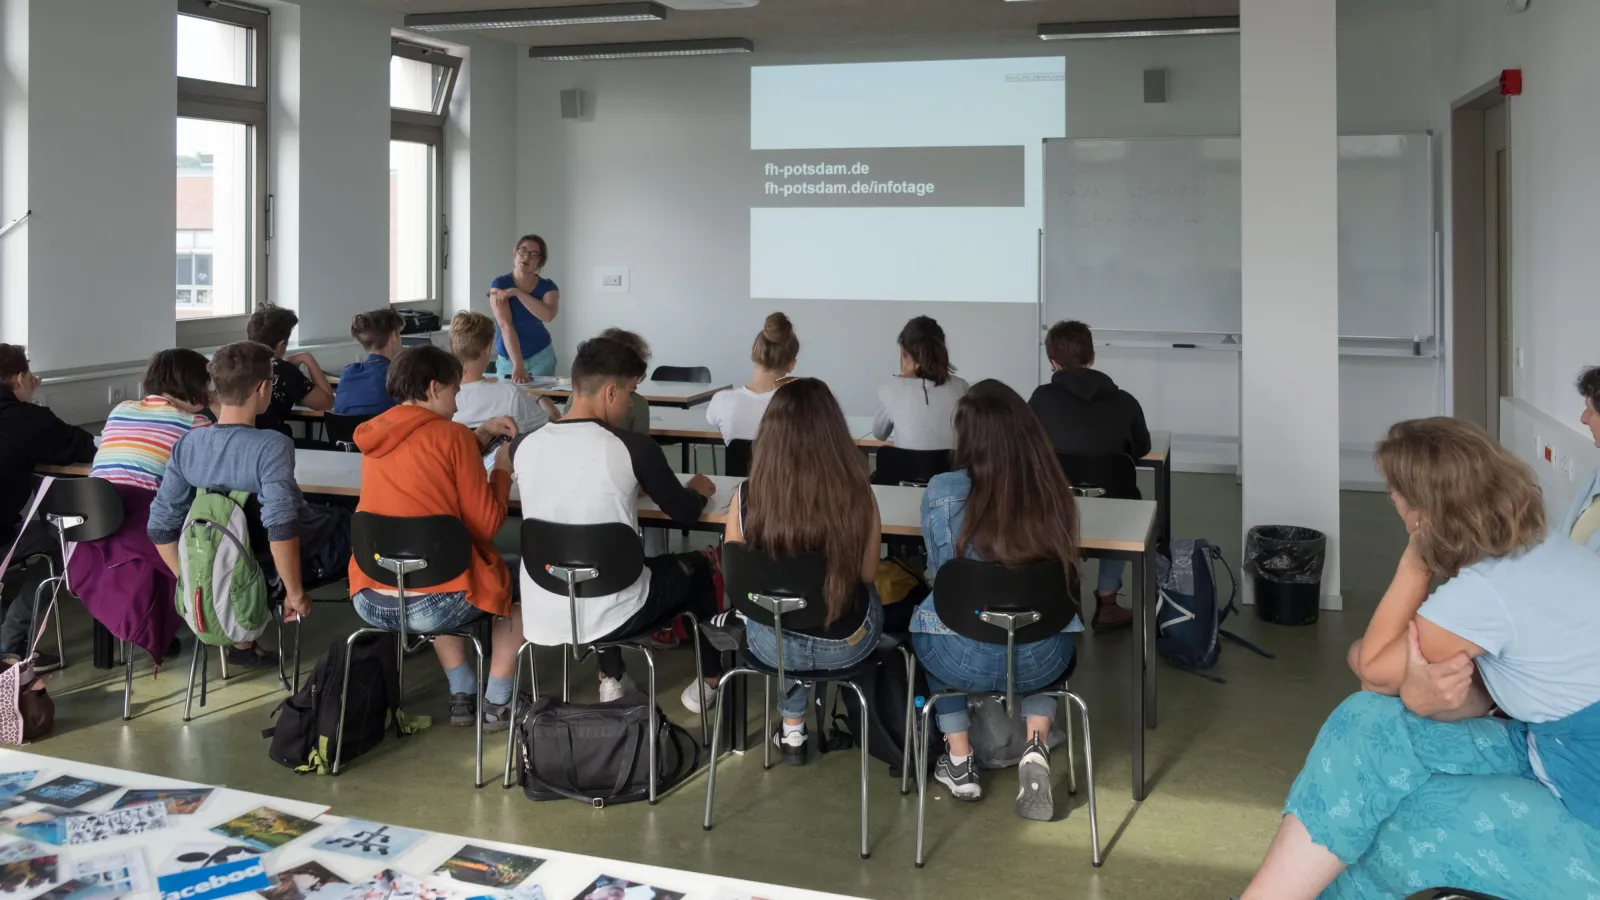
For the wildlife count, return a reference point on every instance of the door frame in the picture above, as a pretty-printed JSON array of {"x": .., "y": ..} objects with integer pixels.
[{"x": 1471, "y": 339}]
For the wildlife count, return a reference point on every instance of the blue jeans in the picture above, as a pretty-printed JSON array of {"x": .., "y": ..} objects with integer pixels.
[
  {"x": 541, "y": 363},
  {"x": 953, "y": 662},
  {"x": 1111, "y": 576},
  {"x": 425, "y": 613},
  {"x": 804, "y": 653}
]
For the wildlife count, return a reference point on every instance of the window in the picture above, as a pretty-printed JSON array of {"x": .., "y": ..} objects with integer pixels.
[
  {"x": 420, "y": 83},
  {"x": 221, "y": 152}
]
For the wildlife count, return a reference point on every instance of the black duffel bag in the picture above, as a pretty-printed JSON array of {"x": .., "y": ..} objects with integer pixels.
[{"x": 599, "y": 753}]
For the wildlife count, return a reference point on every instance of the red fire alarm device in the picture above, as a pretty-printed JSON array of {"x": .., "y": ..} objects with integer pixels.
[{"x": 1511, "y": 82}]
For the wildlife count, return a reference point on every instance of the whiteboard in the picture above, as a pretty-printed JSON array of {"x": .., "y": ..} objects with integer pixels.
[{"x": 1143, "y": 234}]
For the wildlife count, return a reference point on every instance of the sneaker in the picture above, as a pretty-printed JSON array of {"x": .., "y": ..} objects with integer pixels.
[
  {"x": 462, "y": 707},
  {"x": 962, "y": 780},
  {"x": 793, "y": 744},
  {"x": 1034, "y": 800},
  {"x": 252, "y": 657},
  {"x": 696, "y": 696},
  {"x": 612, "y": 689},
  {"x": 46, "y": 662},
  {"x": 497, "y": 716}
]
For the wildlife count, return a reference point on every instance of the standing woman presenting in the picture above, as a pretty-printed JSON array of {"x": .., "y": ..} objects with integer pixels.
[{"x": 523, "y": 302}]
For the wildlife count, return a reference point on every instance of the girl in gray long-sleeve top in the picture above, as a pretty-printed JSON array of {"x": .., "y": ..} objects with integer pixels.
[{"x": 917, "y": 407}]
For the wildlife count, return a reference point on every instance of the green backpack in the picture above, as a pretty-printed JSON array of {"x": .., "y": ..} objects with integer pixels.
[{"x": 222, "y": 594}]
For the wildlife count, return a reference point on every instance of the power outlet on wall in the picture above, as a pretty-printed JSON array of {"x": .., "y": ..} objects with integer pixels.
[
  {"x": 611, "y": 279},
  {"x": 116, "y": 393}
]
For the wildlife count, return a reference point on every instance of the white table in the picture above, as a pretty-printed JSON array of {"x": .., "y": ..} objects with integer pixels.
[
  {"x": 561, "y": 875},
  {"x": 658, "y": 393},
  {"x": 689, "y": 425}
]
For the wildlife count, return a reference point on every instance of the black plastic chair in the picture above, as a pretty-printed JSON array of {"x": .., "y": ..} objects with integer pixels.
[
  {"x": 1112, "y": 476},
  {"x": 737, "y": 458},
  {"x": 782, "y": 592},
  {"x": 584, "y": 561},
  {"x": 341, "y": 430},
  {"x": 909, "y": 468},
  {"x": 410, "y": 554},
  {"x": 690, "y": 374},
  {"x": 79, "y": 509},
  {"x": 997, "y": 604}
]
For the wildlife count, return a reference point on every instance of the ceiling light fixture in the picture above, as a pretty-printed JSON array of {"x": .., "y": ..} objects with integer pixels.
[
  {"x": 1074, "y": 31},
  {"x": 707, "y": 47},
  {"x": 599, "y": 14}
]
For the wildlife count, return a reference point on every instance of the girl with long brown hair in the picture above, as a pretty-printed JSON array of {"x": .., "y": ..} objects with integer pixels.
[
  {"x": 808, "y": 492},
  {"x": 1006, "y": 502},
  {"x": 1513, "y": 625},
  {"x": 916, "y": 406}
]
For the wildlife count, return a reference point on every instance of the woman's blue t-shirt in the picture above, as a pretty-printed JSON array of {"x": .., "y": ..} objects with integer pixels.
[{"x": 532, "y": 336}]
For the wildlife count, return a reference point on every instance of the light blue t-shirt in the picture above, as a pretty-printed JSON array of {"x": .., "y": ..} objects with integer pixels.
[{"x": 1537, "y": 618}]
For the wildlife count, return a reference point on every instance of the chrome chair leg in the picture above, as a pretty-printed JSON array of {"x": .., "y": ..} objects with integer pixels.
[
  {"x": 566, "y": 677},
  {"x": 1088, "y": 776},
  {"x": 1072, "y": 767},
  {"x": 477, "y": 648},
  {"x": 222, "y": 653},
  {"x": 910, "y": 723},
  {"x": 127, "y": 681},
  {"x": 922, "y": 772},
  {"x": 516, "y": 690},
  {"x": 344, "y": 692},
  {"x": 295, "y": 688},
  {"x": 699, "y": 669},
  {"x": 866, "y": 758},
  {"x": 194, "y": 666},
  {"x": 766, "y": 723},
  {"x": 716, "y": 738},
  {"x": 655, "y": 724}
]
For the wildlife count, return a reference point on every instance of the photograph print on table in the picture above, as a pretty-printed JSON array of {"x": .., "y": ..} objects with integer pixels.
[
  {"x": 179, "y": 801},
  {"x": 25, "y": 875},
  {"x": 124, "y": 873},
  {"x": 392, "y": 884},
  {"x": 608, "y": 887},
  {"x": 42, "y": 824},
  {"x": 266, "y": 828},
  {"x": 12, "y": 782},
  {"x": 489, "y": 868},
  {"x": 308, "y": 881},
  {"x": 369, "y": 840},
  {"x": 211, "y": 853},
  {"x": 89, "y": 828},
  {"x": 68, "y": 791},
  {"x": 79, "y": 890}
]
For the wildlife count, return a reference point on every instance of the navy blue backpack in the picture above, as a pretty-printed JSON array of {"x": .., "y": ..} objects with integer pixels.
[{"x": 1188, "y": 617}]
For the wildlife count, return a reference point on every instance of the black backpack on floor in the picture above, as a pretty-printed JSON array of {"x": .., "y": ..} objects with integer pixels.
[
  {"x": 599, "y": 753},
  {"x": 308, "y": 722},
  {"x": 884, "y": 729}
]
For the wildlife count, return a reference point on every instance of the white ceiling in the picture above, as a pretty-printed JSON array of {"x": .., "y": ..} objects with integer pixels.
[{"x": 824, "y": 25}]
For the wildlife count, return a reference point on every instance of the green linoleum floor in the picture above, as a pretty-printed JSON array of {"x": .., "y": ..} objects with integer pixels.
[{"x": 1219, "y": 764}]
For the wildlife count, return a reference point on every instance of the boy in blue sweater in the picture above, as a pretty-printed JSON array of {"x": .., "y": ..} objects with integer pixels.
[{"x": 363, "y": 387}]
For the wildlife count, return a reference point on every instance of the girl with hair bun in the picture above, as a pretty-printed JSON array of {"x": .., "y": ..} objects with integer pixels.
[{"x": 737, "y": 413}]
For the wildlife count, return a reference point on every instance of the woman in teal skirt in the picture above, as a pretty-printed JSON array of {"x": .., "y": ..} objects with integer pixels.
[{"x": 1471, "y": 759}]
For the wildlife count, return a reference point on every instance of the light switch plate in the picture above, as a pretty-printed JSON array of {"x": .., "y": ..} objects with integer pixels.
[{"x": 611, "y": 279}]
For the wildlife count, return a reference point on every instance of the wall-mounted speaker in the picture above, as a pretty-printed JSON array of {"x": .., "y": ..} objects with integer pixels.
[
  {"x": 572, "y": 104},
  {"x": 1155, "y": 85}
]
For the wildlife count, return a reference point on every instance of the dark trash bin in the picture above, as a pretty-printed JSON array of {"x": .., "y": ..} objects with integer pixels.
[{"x": 1285, "y": 566}]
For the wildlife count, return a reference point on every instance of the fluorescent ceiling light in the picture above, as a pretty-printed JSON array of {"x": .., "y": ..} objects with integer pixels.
[
  {"x": 708, "y": 47},
  {"x": 598, "y": 14},
  {"x": 1072, "y": 31}
]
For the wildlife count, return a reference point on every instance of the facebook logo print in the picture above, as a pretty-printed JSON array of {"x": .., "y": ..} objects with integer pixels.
[{"x": 237, "y": 877}]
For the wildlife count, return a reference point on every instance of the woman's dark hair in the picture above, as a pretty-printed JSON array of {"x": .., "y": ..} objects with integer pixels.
[
  {"x": 271, "y": 325},
  {"x": 179, "y": 374},
  {"x": 776, "y": 346},
  {"x": 417, "y": 368},
  {"x": 808, "y": 489},
  {"x": 13, "y": 362},
  {"x": 923, "y": 341},
  {"x": 1020, "y": 509},
  {"x": 544, "y": 249},
  {"x": 1589, "y": 385}
]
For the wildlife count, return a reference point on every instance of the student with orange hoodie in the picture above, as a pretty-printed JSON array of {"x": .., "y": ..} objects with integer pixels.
[{"x": 417, "y": 462}]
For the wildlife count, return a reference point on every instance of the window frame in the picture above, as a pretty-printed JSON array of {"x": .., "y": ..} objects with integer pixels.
[
  {"x": 418, "y": 127},
  {"x": 244, "y": 105}
]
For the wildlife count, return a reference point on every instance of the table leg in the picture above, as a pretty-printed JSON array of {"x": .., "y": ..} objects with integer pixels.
[
  {"x": 1148, "y": 635},
  {"x": 683, "y": 456},
  {"x": 736, "y": 707},
  {"x": 1164, "y": 496},
  {"x": 1141, "y": 586}
]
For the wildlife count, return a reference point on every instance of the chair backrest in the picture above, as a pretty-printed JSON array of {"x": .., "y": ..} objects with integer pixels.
[
  {"x": 965, "y": 589},
  {"x": 440, "y": 541},
  {"x": 93, "y": 500},
  {"x": 1112, "y": 476},
  {"x": 749, "y": 575},
  {"x": 342, "y": 430},
  {"x": 909, "y": 467},
  {"x": 613, "y": 549},
  {"x": 691, "y": 374},
  {"x": 738, "y": 457}
]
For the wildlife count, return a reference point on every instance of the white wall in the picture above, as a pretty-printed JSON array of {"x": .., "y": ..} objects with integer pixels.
[
  {"x": 643, "y": 181},
  {"x": 480, "y": 141},
  {"x": 1555, "y": 214},
  {"x": 14, "y": 168}
]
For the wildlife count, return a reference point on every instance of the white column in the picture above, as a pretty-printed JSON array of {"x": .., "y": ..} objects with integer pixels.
[{"x": 1289, "y": 404}]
